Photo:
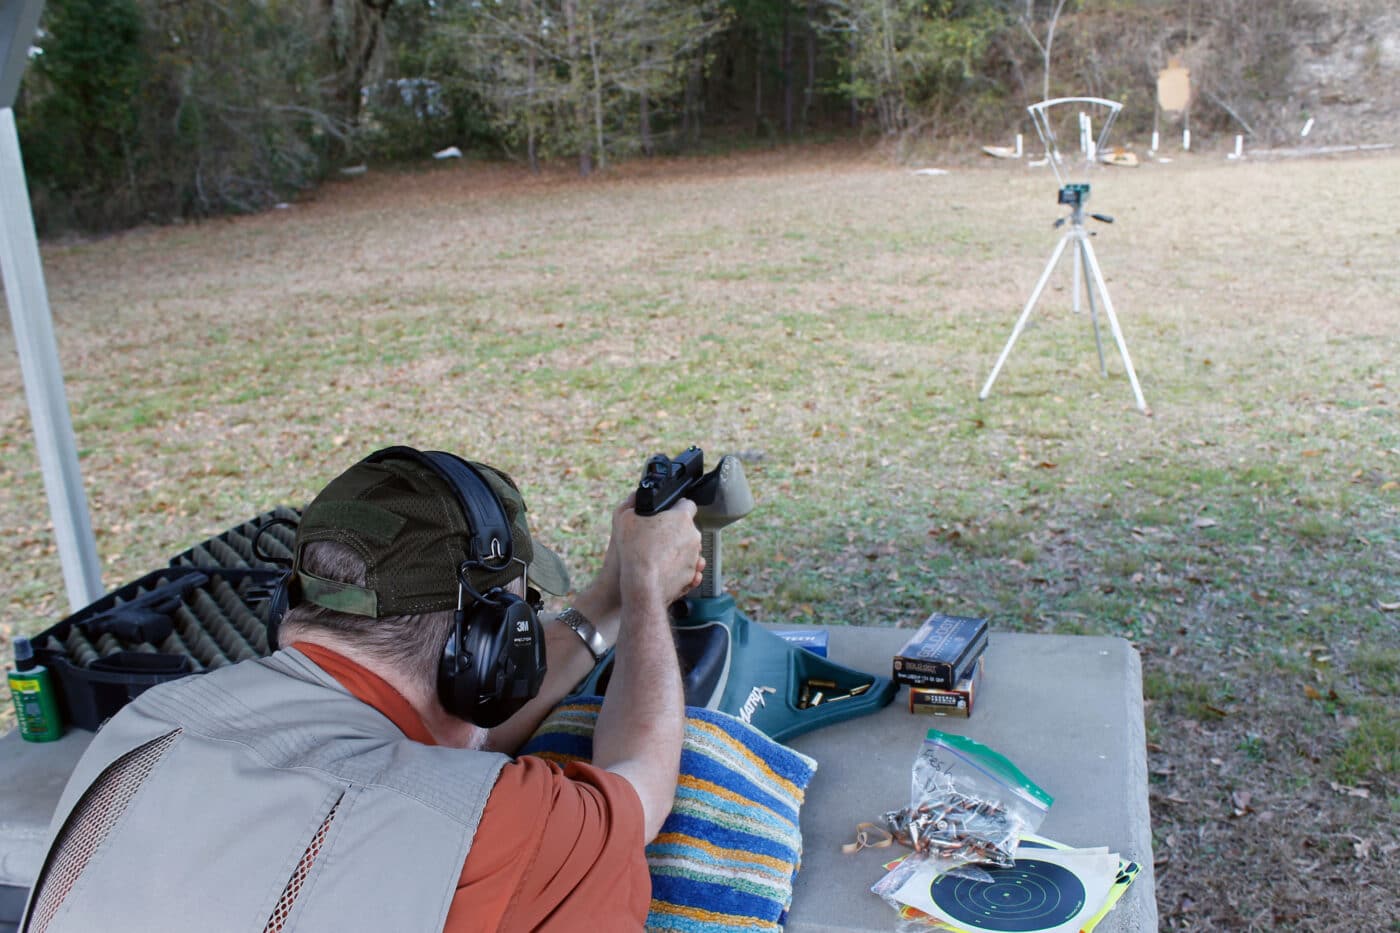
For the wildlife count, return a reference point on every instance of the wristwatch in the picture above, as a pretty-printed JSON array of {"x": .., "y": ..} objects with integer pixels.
[{"x": 592, "y": 639}]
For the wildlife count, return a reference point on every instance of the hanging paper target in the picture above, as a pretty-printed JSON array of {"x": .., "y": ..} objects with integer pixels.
[{"x": 1031, "y": 895}]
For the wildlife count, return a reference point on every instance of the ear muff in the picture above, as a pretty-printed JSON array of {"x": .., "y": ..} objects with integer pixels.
[
  {"x": 277, "y": 602},
  {"x": 276, "y": 609},
  {"x": 494, "y": 661}
]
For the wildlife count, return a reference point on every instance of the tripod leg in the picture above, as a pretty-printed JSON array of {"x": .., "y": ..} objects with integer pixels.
[
  {"x": 1113, "y": 325},
  {"x": 1079, "y": 278},
  {"x": 1021, "y": 321},
  {"x": 1093, "y": 313}
]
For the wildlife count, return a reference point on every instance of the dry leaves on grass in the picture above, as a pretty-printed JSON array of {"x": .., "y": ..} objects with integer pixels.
[{"x": 1363, "y": 792}]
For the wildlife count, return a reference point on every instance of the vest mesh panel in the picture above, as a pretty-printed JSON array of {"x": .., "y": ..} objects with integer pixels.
[
  {"x": 283, "y": 910},
  {"x": 101, "y": 807}
]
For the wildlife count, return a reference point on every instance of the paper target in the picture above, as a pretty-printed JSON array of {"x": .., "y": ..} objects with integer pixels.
[{"x": 1031, "y": 895}]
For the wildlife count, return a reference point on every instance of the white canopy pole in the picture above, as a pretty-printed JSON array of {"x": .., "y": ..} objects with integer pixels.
[
  {"x": 23, "y": 272},
  {"x": 19, "y": 21},
  {"x": 43, "y": 376}
]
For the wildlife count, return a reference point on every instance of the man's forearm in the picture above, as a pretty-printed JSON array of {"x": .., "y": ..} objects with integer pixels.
[{"x": 642, "y": 722}]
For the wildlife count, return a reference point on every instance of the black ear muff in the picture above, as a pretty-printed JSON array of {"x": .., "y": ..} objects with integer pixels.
[
  {"x": 276, "y": 609},
  {"x": 276, "y": 603},
  {"x": 494, "y": 660}
]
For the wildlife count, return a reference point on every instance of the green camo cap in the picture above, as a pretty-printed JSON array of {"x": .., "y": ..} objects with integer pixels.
[{"x": 407, "y": 524}]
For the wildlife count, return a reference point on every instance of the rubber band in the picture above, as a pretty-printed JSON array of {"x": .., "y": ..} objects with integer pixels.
[{"x": 863, "y": 836}]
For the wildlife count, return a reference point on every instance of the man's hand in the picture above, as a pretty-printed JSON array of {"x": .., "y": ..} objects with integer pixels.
[
  {"x": 604, "y": 594},
  {"x": 658, "y": 556}
]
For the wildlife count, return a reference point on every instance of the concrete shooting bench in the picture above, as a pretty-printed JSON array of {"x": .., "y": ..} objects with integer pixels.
[{"x": 1067, "y": 710}]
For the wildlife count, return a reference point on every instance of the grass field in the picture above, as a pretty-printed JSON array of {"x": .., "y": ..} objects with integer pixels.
[{"x": 830, "y": 318}]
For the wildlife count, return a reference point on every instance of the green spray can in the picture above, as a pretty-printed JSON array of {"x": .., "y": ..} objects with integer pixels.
[{"x": 32, "y": 689}]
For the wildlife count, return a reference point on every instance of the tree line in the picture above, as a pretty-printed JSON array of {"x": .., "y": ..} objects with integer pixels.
[{"x": 148, "y": 110}]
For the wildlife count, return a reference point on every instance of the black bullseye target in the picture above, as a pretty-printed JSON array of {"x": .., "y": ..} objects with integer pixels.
[{"x": 1031, "y": 895}]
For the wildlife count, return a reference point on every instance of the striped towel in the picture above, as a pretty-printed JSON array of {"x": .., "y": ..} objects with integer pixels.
[{"x": 727, "y": 854}]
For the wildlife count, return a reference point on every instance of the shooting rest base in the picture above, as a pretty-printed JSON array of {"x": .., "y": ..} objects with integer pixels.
[{"x": 735, "y": 666}]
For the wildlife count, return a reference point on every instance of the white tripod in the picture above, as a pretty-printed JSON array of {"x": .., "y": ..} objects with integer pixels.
[{"x": 1085, "y": 263}]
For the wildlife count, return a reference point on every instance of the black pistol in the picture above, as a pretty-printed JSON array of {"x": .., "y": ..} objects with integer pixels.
[
  {"x": 721, "y": 498},
  {"x": 664, "y": 480},
  {"x": 146, "y": 618}
]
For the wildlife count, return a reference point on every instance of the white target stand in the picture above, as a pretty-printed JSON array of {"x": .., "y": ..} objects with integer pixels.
[{"x": 1075, "y": 238}]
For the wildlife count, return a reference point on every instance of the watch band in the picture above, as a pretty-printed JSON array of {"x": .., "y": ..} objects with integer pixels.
[{"x": 592, "y": 639}]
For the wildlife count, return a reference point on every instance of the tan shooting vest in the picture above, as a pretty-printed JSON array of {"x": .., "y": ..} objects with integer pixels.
[{"x": 260, "y": 797}]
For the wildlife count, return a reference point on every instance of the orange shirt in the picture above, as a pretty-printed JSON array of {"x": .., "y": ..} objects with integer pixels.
[{"x": 555, "y": 849}]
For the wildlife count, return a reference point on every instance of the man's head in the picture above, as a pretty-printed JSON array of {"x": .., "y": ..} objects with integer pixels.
[{"x": 379, "y": 552}]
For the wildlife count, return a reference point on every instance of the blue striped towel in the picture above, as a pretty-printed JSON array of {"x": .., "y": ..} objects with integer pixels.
[{"x": 727, "y": 854}]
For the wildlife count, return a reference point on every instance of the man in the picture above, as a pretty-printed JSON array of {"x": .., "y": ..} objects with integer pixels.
[{"x": 335, "y": 786}]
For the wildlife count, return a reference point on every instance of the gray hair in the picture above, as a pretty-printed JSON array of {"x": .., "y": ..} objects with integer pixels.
[{"x": 411, "y": 643}]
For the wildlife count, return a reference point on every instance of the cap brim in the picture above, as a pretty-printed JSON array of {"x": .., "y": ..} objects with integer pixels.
[{"x": 547, "y": 571}]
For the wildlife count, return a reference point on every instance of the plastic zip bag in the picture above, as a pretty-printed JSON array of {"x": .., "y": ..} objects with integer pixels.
[{"x": 968, "y": 805}]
